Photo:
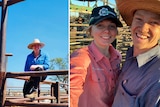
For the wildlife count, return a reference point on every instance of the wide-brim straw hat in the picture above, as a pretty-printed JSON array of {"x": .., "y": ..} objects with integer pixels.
[
  {"x": 128, "y": 7},
  {"x": 35, "y": 42}
]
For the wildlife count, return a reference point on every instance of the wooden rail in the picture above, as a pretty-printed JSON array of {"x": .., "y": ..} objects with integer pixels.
[
  {"x": 36, "y": 73},
  {"x": 77, "y": 42},
  {"x": 55, "y": 94},
  {"x": 75, "y": 24},
  {"x": 78, "y": 37},
  {"x": 32, "y": 104}
]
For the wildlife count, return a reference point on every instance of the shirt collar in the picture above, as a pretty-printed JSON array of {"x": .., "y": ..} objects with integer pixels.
[
  {"x": 40, "y": 53},
  {"x": 147, "y": 56},
  {"x": 98, "y": 55}
]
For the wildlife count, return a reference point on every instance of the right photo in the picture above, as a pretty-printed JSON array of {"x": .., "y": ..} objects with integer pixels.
[{"x": 114, "y": 53}]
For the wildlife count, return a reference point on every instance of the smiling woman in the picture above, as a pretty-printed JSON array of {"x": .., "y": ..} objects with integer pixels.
[
  {"x": 36, "y": 61},
  {"x": 90, "y": 65}
]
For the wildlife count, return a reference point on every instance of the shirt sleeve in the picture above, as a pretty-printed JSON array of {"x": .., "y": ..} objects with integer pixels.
[
  {"x": 152, "y": 98},
  {"x": 27, "y": 66},
  {"x": 42, "y": 60},
  {"x": 78, "y": 71},
  {"x": 46, "y": 63}
]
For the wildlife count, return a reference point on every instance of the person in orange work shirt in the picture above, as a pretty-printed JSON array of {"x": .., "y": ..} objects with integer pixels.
[{"x": 94, "y": 69}]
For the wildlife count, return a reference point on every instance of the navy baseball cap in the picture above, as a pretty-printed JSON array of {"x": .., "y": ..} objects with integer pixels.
[{"x": 104, "y": 12}]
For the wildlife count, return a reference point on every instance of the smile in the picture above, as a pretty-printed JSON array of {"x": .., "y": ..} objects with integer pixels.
[
  {"x": 106, "y": 37},
  {"x": 142, "y": 36}
]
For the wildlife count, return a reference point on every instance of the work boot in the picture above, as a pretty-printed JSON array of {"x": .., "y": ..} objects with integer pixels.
[{"x": 32, "y": 95}]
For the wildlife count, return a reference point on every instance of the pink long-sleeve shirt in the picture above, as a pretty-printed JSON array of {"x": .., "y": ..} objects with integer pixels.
[{"x": 93, "y": 77}]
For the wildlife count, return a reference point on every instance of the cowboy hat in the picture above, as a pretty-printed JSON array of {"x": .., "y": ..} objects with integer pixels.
[
  {"x": 36, "y": 41},
  {"x": 128, "y": 7}
]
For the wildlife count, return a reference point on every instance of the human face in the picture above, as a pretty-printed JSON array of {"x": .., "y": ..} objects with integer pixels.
[
  {"x": 104, "y": 33},
  {"x": 145, "y": 30},
  {"x": 36, "y": 47}
]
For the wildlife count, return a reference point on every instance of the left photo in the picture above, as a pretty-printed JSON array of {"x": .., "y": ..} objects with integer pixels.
[{"x": 34, "y": 53}]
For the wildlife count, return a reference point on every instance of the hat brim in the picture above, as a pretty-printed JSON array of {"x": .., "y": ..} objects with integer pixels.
[
  {"x": 115, "y": 20},
  {"x": 128, "y": 7},
  {"x": 30, "y": 46}
]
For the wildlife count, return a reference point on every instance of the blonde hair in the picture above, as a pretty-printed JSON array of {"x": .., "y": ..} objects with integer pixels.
[{"x": 88, "y": 31}]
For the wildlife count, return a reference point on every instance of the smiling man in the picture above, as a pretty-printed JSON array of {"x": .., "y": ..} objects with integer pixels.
[{"x": 139, "y": 82}]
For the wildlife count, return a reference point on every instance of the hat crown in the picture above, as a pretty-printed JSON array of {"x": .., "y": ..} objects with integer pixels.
[
  {"x": 103, "y": 11},
  {"x": 36, "y": 41},
  {"x": 127, "y": 8}
]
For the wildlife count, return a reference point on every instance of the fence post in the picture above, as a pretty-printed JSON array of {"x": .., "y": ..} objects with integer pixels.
[
  {"x": 57, "y": 91},
  {"x": 52, "y": 89},
  {"x": 2, "y": 88}
]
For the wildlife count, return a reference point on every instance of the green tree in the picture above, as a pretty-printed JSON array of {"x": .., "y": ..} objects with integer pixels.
[{"x": 60, "y": 64}]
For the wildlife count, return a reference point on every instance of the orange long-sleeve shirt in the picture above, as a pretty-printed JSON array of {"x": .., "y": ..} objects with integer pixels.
[{"x": 93, "y": 77}]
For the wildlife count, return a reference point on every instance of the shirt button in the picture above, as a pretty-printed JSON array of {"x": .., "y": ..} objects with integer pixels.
[
  {"x": 124, "y": 81},
  {"x": 98, "y": 79},
  {"x": 110, "y": 70},
  {"x": 122, "y": 93}
]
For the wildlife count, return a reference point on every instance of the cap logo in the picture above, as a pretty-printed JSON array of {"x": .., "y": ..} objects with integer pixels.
[{"x": 105, "y": 12}]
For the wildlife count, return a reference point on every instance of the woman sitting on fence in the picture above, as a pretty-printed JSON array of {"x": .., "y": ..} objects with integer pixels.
[{"x": 36, "y": 61}]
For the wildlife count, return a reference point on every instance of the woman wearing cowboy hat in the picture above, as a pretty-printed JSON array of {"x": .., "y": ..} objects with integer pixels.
[
  {"x": 139, "y": 82},
  {"x": 36, "y": 61}
]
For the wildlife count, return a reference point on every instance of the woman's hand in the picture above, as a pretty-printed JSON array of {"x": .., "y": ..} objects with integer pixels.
[{"x": 33, "y": 67}]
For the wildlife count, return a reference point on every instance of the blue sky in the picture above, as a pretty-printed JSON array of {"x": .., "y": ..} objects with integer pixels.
[{"x": 30, "y": 19}]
